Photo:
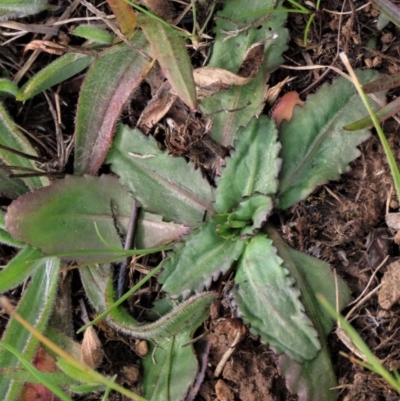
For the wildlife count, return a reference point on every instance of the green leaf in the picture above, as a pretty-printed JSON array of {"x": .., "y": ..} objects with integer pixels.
[
  {"x": 254, "y": 210},
  {"x": 8, "y": 87},
  {"x": 203, "y": 257},
  {"x": 184, "y": 316},
  {"x": 23, "y": 375},
  {"x": 86, "y": 388},
  {"x": 11, "y": 137},
  {"x": 268, "y": 301},
  {"x": 170, "y": 51},
  {"x": 163, "y": 184},
  {"x": 382, "y": 114},
  {"x": 174, "y": 371},
  {"x": 11, "y": 187},
  {"x": 94, "y": 34},
  {"x": 383, "y": 83},
  {"x": 38, "y": 376},
  {"x": 108, "y": 85},
  {"x": 389, "y": 9},
  {"x": 20, "y": 268},
  {"x": 311, "y": 380},
  {"x": 231, "y": 33},
  {"x": 315, "y": 147},
  {"x": 252, "y": 167},
  {"x": 35, "y": 307},
  {"x": 94, "y": 279},
  {"x": 21, "y": 8},
  {"x": 6, "y": 237},
  {"x": 62, "y": 217},
  {"x": 58, "y": 71}
]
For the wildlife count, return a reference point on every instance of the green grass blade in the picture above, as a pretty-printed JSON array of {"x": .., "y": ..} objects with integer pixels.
[
  {"x": 388, "y": 152},
  {"x": 36, "y": 373},
  {"x": 35, "y": 306}
]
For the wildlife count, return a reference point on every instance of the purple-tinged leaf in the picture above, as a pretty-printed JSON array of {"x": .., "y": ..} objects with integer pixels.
[
  {"x": 109, "y": 83},
  {"x": 12, "y": 137},
  {"x": 389, "y": 9},
  {"x": 62, "y": 217},
  {"x": 170, "y": 51},
  {"x": 311, "y": 380},
  {"x": 58, "y": 71},
  {"x": 382, "y": 114},
  {"x": 383, "y": 83}
]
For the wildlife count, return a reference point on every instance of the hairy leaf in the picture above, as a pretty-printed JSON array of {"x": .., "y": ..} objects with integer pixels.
[
  {"x": 203, "y": 257},
  {"x": 6, "y": 237},
  {"x": 254, "y": 209},
  {"x": 382, "y": 114},
  {"x": 170, "y": 51},
  {"x": 383, "y": 83},
  {"x": 35, "y": 307},
  {"x": 185, "y": 316},
  {"x": 11, "y": 187},
  {"x": 252, "y": 167},
  {"x": 235, "y": 32},
  {"x": 24, "y": 376},
  {"x": 94, "y": 34},
  {"x": 311, "y": 380},
  {"x": 247, "y": 218},
  {"x": 315, "y": 147},
  {"x": 95, "y": 279},
  {"x": 110, "y": 81},
  {"x": 389, "y": 9},
  {"x": 11, "y": 137},
  {"x": 20, "y": 267},
  {"x": 62, "y": 217},
  {"x": 268, "y": 301},
  {"x": 163, "y": 185},
  {"x": 8, "y": 87},
  {"x": 174, "y": 371},
  {"x": 21, "y": 8},
  {"x": 59, "y": 70}
]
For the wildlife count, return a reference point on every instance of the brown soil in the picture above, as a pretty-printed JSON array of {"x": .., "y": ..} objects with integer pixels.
[{"x": 342, "y": 223}]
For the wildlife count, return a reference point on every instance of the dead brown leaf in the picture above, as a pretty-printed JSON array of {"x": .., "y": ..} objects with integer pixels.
[{"x": 389, "y": 294}]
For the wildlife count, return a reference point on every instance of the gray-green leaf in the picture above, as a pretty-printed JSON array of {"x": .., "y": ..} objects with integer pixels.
[
  {"x": 315, "y": 148},
  {"x": 252, "y": 167},
  {"x": 203, "y": 257},
  {"x": 58, "y": 71},
  {"x": 268, "y": 301},
  {"x": 163, "y": 184},
  {"x": 238, "y": 33}
]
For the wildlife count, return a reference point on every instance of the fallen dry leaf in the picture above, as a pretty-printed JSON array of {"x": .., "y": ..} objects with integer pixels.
[
  {"x": 223, "y": 392},
  {"x": 389, "y": 293},
  {"x": 284, "y": 108}
]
